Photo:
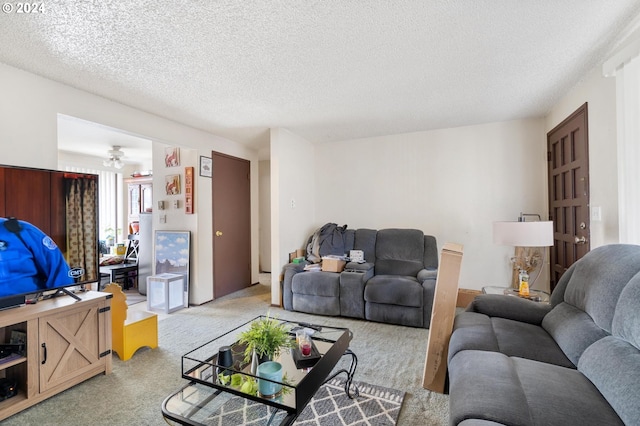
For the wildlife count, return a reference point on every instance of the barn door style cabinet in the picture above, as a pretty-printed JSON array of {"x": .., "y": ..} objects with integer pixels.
[{"x": 67, "y": 342}]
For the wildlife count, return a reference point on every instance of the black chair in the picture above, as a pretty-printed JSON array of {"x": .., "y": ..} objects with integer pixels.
[{"x": 125, "y": 273}]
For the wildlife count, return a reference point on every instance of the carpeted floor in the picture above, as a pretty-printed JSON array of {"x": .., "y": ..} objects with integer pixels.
[
  {"x": 388, "y": 355},
  {"x": 134, "y": 297}
]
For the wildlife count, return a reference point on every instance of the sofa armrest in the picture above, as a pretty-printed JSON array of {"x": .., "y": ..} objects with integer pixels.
[
  {"x": 290, "y": 269},
  {"x": 427, "y": 274},
  {"x": 352, "y": 282},
  {"x": 298, "y": 267},
  {"x": 509, "y": 307},
  {"x": 358, "y": 267}
]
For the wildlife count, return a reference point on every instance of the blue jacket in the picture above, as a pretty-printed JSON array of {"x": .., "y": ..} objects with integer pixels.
[{"x": 31, "y": 269}]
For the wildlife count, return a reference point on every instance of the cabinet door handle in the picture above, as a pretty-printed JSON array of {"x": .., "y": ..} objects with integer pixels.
[{"x": 44, "y": 346}]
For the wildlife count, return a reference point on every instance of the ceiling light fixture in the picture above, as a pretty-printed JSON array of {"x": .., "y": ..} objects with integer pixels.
[{"x": 114, "y": 158}]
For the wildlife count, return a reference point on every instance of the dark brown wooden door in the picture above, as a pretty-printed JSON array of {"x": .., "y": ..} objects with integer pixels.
[
  {"x": 231, "y": 195},
  {"x": 568, "y": 166}
]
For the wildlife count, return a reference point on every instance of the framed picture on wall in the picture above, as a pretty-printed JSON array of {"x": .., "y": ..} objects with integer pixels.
[
  {"x": 172, "y": 184},
  {"x": 206, "y": 166},
  {"x": 172, "y": 157}
]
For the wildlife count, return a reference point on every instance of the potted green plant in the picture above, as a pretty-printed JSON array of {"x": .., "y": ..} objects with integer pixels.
[{"x": 266, "y": 337}]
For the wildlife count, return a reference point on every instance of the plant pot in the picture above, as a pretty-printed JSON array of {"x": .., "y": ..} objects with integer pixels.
[
  {"x": 270, "y": 370},
  {"x": 256, "y": 361}
]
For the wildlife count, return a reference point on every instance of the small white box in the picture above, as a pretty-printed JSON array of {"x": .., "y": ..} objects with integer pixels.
[
  {"x": 356, "y": 255},
  {"x": 166, "y": 292}
]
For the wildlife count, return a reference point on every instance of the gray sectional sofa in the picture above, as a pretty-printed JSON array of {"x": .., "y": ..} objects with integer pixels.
[
  {"x": 575, "y": 361},
  {"x": 396, "y": 284}
]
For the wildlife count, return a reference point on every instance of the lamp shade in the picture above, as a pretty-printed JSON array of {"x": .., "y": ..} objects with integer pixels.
[{"x": 523, "y": 234}]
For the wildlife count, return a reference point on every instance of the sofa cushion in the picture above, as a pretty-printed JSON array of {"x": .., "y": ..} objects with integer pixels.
[
  {"x": 626, "y": 320},
  {"x": 393, "y": 290},
  {"x": 318, "y": 305},
  {"x": 492, "y": 386},
  {"x": 475, "y": 331},
  {"x": 399, "y": 252},
  {"x": 395, "y": 314},
  {"x": 613, "y": 366},
  {"x": 325, "y": 284},
  {"x": 572, "y": 329}
]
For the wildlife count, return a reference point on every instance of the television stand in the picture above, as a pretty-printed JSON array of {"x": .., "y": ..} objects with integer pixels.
[
  {"x": 65, "y": 291},
  {"x": 67, "y": 342}
]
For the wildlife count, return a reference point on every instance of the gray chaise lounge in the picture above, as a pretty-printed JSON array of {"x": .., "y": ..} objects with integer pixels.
[
  {"x": 395, "y": 286},
  {"x": 575, "y": 361}
]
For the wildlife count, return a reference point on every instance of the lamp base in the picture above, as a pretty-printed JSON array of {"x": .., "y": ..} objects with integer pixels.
[{"x": 527, "y": 259}]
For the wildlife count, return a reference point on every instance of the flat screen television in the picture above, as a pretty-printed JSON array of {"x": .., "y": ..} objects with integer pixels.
[{"x": 64, "y": 206}]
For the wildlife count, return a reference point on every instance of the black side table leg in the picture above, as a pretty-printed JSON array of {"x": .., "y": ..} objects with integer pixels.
[{"x": 350, "y": 389}]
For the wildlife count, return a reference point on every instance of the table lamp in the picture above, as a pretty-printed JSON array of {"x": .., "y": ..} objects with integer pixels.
[{"x": 526, "y": 237}]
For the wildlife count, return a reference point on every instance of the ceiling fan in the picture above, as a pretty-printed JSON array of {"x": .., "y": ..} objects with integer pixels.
[{"x": 115, "y": 156}]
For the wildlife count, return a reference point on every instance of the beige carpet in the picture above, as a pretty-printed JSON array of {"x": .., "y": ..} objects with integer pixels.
[{"x": 388, "y": 355}]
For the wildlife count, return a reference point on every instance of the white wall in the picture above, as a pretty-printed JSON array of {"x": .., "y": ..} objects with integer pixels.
[
  {"x": 451, "y": 183},
  {"x": 600, "y": 94},
  {"x": 28, "y": 120},
  {"x": 265, "y": 215},
  {"x": 292, "y": 199}
]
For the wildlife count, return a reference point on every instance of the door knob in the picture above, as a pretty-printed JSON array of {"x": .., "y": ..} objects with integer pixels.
[
  {"x": 218, "y": 234},
  {"x": 580, "y": 240}
]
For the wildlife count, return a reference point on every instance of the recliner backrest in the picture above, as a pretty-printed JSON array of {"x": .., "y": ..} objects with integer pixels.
[
  {"x": 585, "y": 300},
  {"x": 599, "y": 278},
  {"x": 399, "y": 252},
  {"x": 365, "y": 240},
  {"x": 612, "y": 364}
]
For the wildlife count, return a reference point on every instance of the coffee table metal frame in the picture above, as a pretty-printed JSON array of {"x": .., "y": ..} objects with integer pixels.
[{"x": 199, "y": 366}]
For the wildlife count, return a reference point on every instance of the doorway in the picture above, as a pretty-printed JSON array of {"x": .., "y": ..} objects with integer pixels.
[
  {"x": 231, "y": 199},
  {"x": 568, "y": 174}
]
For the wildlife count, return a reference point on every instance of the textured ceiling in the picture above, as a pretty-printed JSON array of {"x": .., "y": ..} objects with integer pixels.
[{"x": 326, "y": 70}]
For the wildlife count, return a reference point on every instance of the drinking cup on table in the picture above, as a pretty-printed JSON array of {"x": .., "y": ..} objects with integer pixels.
[{"x": 304, "y": 343}]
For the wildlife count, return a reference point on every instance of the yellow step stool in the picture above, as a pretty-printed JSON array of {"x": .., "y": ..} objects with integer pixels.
[{"x": 130, "y": 330}]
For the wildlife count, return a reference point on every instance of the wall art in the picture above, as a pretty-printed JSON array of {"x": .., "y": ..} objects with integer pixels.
[
  {"x": 172, "y": 157},
  {"x": 172, "y": 184}
]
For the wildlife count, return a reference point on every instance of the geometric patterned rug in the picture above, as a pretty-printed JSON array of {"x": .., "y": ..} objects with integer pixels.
[{"x": 376, "y": 405}]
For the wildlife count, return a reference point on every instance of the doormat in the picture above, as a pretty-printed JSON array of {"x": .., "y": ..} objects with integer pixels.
[{"x": 376, "y": 405}]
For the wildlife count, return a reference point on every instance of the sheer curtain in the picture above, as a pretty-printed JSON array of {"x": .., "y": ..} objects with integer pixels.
[{"x": 627, "y": 76}]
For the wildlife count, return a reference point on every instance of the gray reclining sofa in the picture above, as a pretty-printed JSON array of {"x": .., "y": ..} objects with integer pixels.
[
  {"x": 575, "y": 361},
  {"x": 396, "y": 284}
]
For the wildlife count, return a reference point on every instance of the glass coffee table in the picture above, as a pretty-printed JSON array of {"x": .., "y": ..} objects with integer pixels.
[{"x": 215, "y": 395}]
